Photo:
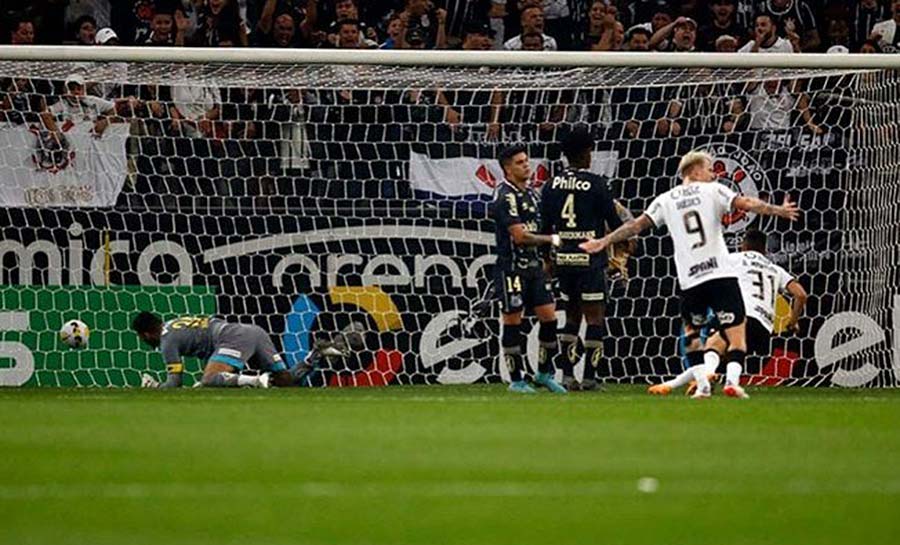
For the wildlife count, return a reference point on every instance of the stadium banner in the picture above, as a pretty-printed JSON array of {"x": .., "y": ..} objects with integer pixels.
[
  {"x": 78, "y": 168},
  {"x": 30, "y": 318},
  {"x": 434, "y": 177},
  {"x": 408, "y": 279}
]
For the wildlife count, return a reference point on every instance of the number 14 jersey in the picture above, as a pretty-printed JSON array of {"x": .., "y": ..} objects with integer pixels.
[{"x": 693, "y": 213}]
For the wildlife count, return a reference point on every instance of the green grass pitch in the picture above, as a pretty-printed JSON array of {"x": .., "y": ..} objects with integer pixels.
[{"x": 462, "y": 465}]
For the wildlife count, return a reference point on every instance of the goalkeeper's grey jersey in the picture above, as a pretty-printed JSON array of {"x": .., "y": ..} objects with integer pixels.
[{"x": 193, "y": 336}]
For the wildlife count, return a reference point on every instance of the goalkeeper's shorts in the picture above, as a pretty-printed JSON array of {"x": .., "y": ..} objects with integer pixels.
[
  {"x": 245, "y": 346},
  {"x": 583, "y": 284}
]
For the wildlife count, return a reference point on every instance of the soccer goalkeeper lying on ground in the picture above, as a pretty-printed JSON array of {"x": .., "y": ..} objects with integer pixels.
[{"x": 228, "y": 348}]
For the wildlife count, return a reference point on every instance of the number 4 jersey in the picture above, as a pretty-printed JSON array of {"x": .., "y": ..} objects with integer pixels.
[
  {"x": 577, "y": 205},
  {"x": 693, "y": 213},
  {"x": 761, "y": 281}
]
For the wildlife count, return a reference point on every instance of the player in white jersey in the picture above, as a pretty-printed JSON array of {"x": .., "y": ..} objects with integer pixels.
[
  {"x": 761, "y": 281},
  {"x": 693, "y": 213}
]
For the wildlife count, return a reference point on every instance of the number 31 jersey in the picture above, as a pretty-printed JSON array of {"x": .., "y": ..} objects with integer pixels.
[
  {"x": 761, "y": 281},
  {"x": 693, "y": 213}
]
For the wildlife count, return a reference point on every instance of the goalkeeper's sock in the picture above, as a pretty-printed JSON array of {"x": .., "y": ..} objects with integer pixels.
[
  {"x": 711, "y": 361},
  {"x": 512, "y": 351},
  {"x": 224, "y": 380},
  {"x": 549, "y": 346},
  {"x": 593, "y": 351}
]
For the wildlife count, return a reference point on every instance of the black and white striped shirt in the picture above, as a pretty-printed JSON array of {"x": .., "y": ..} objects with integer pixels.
[
  {"x": 798, "y": 10},
  {"x": 862, "y": 20},
  {"x": 460, "y": 12}
]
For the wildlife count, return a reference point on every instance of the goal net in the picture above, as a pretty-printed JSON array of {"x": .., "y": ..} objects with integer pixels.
[{"x": 343, "y": 209}]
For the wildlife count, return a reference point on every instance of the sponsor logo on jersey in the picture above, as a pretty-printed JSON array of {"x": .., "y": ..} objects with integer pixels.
[
  {"x": 704, "y": 267},
  {"x": 570, "y": 183},
  {"x": 573, "y": 259},
  {"x": 577, "y": 235},
  {"x": 764, "y": 313}
]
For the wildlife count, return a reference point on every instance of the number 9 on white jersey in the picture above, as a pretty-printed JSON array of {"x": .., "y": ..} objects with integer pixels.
[{"x": 693, "y": 213}]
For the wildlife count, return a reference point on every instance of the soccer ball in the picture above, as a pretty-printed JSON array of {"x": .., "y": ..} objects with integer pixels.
[{"x": 75, "y": 333}]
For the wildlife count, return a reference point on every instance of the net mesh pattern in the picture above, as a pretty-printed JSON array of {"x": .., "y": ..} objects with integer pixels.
[{"x": 348, "y": 206}]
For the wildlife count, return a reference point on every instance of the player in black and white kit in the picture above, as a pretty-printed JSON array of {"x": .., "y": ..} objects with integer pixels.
[
  {"x": 577, "y": 205},
  {"x": 761, "y": 281},
  {"x": 693, "y": 213},
  {"x": 519, "y": 277}
]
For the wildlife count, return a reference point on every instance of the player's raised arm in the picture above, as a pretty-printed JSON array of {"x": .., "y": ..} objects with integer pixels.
[
  {"x": 788, "y": 209},
  {"x": 629, "y": 229}
]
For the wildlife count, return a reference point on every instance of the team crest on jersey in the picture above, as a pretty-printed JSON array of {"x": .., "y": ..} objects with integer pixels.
[{"x": 738, "y": 170}]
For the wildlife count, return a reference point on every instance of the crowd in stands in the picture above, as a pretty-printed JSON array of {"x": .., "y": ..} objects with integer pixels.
[
  {"x": 864, "y": 26},
  {"x": 326, "y": 130}
]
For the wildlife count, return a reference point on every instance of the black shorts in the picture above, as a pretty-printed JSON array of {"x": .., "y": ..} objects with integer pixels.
[
  {"x": 583, "y": 285},
  {"x": 519, "y": 290},
  {"x": 759, "y": 340},
  {"x": 722, "y": 295}
]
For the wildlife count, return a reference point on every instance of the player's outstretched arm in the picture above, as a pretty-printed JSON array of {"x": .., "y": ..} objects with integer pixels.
[
  {"x": 787, "y": 210},
  {"x": 629, "y": 229},
  {"x": 523, "y": 237}
]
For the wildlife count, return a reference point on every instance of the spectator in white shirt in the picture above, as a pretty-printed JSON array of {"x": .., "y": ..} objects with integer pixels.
[
  {"x": 770, "y": 106},
  {"x": 766, "y": 39},
  {"x": 194, "y": 107},
  {"x": 532, "y": 21},
  {"x": 798, "y": 14},
  {"x": 887, "y": 32}
]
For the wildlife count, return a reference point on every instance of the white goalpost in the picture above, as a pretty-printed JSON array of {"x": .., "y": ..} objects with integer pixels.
[{"x": 340, "y": 198}]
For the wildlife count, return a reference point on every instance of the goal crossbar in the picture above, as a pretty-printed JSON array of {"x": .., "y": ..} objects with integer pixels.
[{"x": 447, "y": 58}]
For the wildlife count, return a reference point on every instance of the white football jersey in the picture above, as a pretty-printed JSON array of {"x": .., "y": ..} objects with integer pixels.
[
  {"x": 693, "y": 213},
  {"x": 761, "y": 280}
]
